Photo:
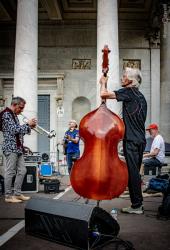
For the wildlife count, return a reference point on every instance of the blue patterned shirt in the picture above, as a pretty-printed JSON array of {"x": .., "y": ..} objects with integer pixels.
[
  {"x": 13, "y": 133},
  {"x": 72, "y": 147}
]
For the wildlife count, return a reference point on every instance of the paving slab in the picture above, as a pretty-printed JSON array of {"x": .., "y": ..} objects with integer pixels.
[{"x": 145, "y": 231}]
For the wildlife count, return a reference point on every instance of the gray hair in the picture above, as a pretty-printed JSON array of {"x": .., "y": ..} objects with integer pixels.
[
  {"x": 74, "y": 121},
  {"x": 134, "y": 75},
  {"x": 17, "y": 100}
]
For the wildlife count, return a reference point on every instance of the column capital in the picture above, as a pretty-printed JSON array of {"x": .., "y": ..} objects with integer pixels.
[
  {"x": 153, "y": 36},
  {"x": 165, "y": 18},
  {"x": 153, "y": 29},
  {"x": 166, "y": 12}
]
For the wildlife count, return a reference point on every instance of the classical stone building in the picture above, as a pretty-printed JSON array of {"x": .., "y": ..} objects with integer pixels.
[{"x": 50, "y": 54}]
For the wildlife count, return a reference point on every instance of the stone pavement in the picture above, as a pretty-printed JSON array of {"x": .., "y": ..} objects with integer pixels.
[{"x": 145, "y": 231}]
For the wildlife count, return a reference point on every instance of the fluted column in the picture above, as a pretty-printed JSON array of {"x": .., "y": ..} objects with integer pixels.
[
  {"x": 107, "y": 33},
  {"x": 25, "y": 70},
  {"x": 155, "y": 85},
  {"x": 165, "y": 81}
]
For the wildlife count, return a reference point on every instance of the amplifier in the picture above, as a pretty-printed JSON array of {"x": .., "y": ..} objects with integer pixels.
[
  {"x": 51, "y": 186},
  {"x": 32, "y": 158},
  {"x": 77, "y": 225},
  {"x": 30, "y": 183}
]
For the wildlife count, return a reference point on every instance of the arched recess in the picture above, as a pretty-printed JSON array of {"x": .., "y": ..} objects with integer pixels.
[{"x": 80, "y": 107}]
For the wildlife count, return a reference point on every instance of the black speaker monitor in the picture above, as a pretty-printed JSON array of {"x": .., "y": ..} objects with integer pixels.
[
  {"x": 70, "y": 223},
  {"x": 30, "y": 182}
]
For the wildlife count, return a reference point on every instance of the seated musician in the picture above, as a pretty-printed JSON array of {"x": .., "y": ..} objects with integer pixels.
[{"x": 156, "y": 156}]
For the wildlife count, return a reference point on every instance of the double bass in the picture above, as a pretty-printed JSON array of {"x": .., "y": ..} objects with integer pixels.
[{"x": 100, "y": 174}]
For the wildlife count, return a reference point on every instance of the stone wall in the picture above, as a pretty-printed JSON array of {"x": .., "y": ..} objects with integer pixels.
[{"x": 60, "y": 44}]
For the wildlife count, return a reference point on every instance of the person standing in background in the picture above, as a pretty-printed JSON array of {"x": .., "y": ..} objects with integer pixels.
[{"x": 71, "y": 144}]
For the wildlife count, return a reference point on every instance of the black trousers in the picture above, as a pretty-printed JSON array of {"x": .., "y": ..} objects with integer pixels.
[{"x": 133, "y": 153}]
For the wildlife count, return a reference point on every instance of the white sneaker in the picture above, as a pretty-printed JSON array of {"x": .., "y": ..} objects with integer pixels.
[
  {"x": 131, "y": 210},
  {"x": 12, "y": 199},
  {"x": 21, "y": 197}
]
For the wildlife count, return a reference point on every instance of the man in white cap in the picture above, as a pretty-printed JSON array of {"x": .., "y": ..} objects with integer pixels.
[{"x": 71, "y": 140}]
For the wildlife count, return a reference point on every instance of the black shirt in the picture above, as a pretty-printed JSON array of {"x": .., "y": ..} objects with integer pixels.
[{"x": 134, "y": 113}]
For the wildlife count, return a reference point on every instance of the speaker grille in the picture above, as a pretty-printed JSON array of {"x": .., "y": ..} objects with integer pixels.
[{"x": 68, "y": 223}]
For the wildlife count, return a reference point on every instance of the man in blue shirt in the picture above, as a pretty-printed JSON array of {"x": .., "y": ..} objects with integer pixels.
[{"x": 71, "y": 141}]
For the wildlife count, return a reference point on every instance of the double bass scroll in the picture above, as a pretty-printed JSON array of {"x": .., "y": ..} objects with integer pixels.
[{"x": 105, "y": 63}]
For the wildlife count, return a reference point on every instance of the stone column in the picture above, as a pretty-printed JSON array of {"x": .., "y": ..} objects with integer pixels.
[
  {"x": 107, "y": 33},
  {"x": 165, "y": 82},
  {"x": 155, "y": 85},
  {"x": 25, "y": 70},
  {"x": 1, "y": 89}
]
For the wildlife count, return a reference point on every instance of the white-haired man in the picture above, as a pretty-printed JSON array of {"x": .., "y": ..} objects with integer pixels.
[
  {"x": 71, "y": 139},
  {"x": 134, "y": 116}
]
